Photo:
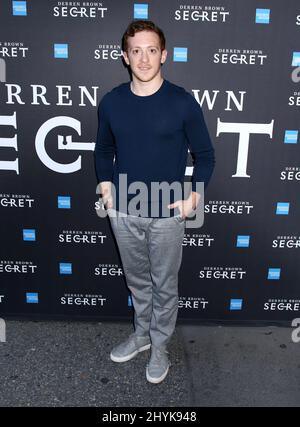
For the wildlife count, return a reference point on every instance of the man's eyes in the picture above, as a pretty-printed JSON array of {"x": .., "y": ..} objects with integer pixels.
[{"x": 136, "y": 51}]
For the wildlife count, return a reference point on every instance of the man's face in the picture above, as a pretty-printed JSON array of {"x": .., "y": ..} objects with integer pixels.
[{"x": 144, "y": 55}]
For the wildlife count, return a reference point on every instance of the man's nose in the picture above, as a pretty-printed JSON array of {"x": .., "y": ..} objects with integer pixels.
[{"x": 144, "y": 57}]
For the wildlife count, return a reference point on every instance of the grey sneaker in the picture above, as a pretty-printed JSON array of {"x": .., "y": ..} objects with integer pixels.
[
  {"x": 130, "y": 348},
  {"x": 158, "y": 366}
]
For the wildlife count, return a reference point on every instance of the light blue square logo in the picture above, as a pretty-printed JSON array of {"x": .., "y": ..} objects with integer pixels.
[
  {"x": 282, "y": 208},
  {"x": 64, "y": 202},
  {"x": 296, "y": 59},
  {"x": 140, "y": 11},
  {"x": 29, "y": 234},
  {"x": 61, "y": 50},
  {"x": 129, "y": 301},
  {"x": 274, "y": 274},
  {"x": 65, "y": 268},
  {"x": 242, "y": 241},
  {"x": 291, "y": 137},
  {"x": 32, "y": 297},
  {"x": 236, "y": 304},
  {"x": 19, "y": 8},
  {"x": 180, "y": 54},
  {"x": 262, "y": 16}
]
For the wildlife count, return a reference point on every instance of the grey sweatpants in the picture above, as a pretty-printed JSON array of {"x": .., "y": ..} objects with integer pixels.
[{"x": 151, "y": 254}]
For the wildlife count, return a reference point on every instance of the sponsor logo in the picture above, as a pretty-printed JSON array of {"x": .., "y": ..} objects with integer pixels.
[
  {"x": 296, "y": 59},
  {"x": 65, "y": 268},
  {"x": 29, "y": 234},
  {"x": 32, "y": 297},
  {"x": 282, "y": 305},
  {"x": 64, "y": 202},
  {"x": 288, "y": 242},
  {"x": 81, "y": 236},
  {"x": 274, "y": 273},
  {"x": 61, "y": 50},
  {"x": 202, "y": 13},
  {"x": 294, "y": 100},
  {"x": 239, "y": 56},
  {"x": 192, "y": 303},
  {"x": 108, "y": 270},
  {"x": 84, "y": 300},
  {"x": 13, "y": 49},
  {"x": 232, "y": 207},
  {"x": 227, "y": 273},
  {"x": 282, "y": 208},
  {"x": 140, "y": 11},
  {"x": 16, "y": 201},
  {"x": 79, "y": 9},
  {"x": 262, "y": 16},
  {"x": 236, "y": 304},
  {"x": 18, "y": 267},
  {"x": 291, "y": 137},
  {"x": 19, "y": 8},
  {"x": 199, "y": 240},
  {"x": 107, "y": 52},
  {"x": 242, "y": 241},
  {"x": 290, "y": 173},
  {"x": 180, "y": 54}
]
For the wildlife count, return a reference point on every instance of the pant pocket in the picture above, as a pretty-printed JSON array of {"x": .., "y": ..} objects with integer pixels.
[{"x": 179, "y": 218}]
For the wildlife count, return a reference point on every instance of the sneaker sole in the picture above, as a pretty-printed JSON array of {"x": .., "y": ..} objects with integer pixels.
[
  {"x": 129, "y": 356},
  {"x": 159, "y": 379}
]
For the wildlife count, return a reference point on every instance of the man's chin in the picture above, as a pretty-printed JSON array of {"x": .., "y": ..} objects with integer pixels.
[{"x": 144, "y": 77}]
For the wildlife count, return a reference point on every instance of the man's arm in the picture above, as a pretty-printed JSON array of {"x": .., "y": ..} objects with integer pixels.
[
  {"x": 200, "y": 146},
  {"x": 104, "y": 154}
]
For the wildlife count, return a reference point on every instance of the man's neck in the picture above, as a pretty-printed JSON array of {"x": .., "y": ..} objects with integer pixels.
[{"x": 146, "y": 88}]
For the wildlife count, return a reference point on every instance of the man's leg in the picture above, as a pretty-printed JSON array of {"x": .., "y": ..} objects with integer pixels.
[
  {"x": 165, "y": 236},
  {"x": 130, "y": 233}
]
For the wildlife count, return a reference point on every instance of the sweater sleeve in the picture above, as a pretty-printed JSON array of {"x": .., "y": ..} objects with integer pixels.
[
  {"x": 105, "y": 145},
  {"x": 199, "y": 142}
]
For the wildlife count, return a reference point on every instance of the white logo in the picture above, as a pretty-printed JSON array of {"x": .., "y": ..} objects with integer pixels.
[
  {"x": 41, "y": 135},
  {"x": 205, "y": 13},
  {"x": 10, "y": 143},
  {"x": 68, "y": 145}
]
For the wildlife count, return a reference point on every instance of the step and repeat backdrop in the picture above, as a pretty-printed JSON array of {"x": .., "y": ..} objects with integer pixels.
[{"x": 240, "y": 60}]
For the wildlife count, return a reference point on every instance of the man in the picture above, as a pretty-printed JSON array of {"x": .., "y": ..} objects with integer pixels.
[{"x": 148, "y": 125}]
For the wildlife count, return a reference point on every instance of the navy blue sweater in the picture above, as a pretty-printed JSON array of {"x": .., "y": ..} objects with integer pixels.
[{"x": 149, "y": 137}]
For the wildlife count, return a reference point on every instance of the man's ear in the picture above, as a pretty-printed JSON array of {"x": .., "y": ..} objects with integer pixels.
[
  {"x": 125, "y": 56},
  {"x": 164, "y": 55}
]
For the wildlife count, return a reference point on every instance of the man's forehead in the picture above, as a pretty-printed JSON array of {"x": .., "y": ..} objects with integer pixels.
[{"x": 144, "y": 38}]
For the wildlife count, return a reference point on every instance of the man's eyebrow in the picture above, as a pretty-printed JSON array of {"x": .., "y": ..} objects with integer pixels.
[{"x": 146, "y": 46}]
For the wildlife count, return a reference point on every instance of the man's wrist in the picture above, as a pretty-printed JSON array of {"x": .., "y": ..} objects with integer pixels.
[{"x": 194, "y": 199}]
